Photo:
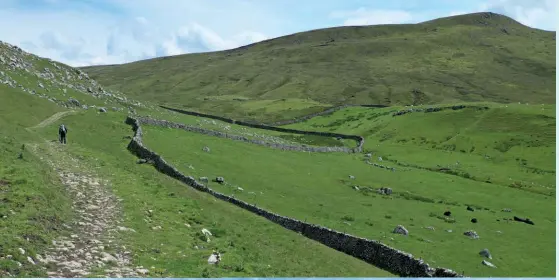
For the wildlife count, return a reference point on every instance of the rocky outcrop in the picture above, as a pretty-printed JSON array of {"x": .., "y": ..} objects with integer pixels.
[{"x": 371, "y": 251}]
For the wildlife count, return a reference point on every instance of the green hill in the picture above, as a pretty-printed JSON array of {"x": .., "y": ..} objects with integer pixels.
[
  {"x": 91, "y": 210},
  {"x": 473, "y": 57},
  {"x": 42, "y": 218}
]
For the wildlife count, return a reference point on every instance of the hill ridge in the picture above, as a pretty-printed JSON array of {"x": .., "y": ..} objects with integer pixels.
[{"x": 446, "y": 60}]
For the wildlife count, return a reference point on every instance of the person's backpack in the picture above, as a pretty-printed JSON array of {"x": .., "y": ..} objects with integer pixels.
[{"x": 62, "y": 129}]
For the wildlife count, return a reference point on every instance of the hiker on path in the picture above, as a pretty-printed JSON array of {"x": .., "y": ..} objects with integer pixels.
[{"x": 62, "y": 131}]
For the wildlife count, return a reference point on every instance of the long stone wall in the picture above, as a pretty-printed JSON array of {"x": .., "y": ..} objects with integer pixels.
[
  {"x": 360, "y": 140},
  {"x": 323, "y": 149},
  {"x": 371, "y": 251}
]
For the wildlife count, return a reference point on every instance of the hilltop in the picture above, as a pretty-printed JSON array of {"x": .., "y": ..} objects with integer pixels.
[{"x": 473, "y": 57}]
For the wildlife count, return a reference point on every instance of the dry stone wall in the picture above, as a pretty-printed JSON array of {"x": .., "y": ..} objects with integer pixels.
[
  {"x": 371, "y": 251},
  {"x": 360, "y": 140},
  {"x": 323, "y": 149}
]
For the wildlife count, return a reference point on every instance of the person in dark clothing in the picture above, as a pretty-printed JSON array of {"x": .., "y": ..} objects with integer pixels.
[{"x": 62, "y": 131}]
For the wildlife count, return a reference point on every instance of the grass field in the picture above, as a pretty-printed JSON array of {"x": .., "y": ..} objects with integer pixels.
[
  {"x": 266, "y": 250},
  {"x": 317, "y": 188},
  {"x": 474, "y": 57}
]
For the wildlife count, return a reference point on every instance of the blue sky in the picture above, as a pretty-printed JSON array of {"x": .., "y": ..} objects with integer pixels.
[{"x": 88, "y": 32}]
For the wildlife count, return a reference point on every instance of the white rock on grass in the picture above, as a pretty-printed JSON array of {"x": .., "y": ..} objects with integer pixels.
[
  {"x": 206, "y": 233},
  {"x": 400, "y": 230},
  {"x": 214, "y": 258},
  {"x": 484, "y": 262},
  {"x": 485, "y": 253}
]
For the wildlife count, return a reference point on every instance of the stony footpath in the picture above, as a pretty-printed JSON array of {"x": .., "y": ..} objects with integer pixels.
[{"x": 92, "y": 247}]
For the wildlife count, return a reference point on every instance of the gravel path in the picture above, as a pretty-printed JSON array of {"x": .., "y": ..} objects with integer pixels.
[{"x": 91, "y": 248}]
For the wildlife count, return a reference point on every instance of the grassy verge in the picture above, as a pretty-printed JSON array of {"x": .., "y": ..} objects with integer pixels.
[{"x": 33, "y": 205}]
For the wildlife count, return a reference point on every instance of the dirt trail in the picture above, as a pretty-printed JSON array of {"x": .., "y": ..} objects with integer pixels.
[
  {"x": 52, "y": 119},
  {"x": 91, "y": 247}
]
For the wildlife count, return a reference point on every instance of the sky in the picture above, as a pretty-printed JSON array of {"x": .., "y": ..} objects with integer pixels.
[{"x": 94, "y": 32}]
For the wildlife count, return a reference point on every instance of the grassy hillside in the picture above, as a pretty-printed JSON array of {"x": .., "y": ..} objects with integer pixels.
[
  {"x": 474, "y": 57},
  {"x": 37, "y": 211},
  {"x": 481, "y": 174}
]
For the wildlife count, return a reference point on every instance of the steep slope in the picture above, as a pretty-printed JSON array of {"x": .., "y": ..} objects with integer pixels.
[
  {"x": 474, "y": 57},
  {"x": 56, "y": 82}
]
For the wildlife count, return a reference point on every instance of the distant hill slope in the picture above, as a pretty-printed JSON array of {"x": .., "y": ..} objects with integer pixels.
[{"x": 474, "y": 57}]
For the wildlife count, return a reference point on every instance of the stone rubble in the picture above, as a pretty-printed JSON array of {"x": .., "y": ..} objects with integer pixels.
[{"x": 92, "y": 233}]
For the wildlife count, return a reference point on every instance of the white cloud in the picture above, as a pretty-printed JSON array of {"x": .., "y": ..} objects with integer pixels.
[
  {"x": 363, "y": 16},
  {"x": 540, "y": 14},
  {"x": 535, "y": 13},
  {"x": 87, "y": 35}
]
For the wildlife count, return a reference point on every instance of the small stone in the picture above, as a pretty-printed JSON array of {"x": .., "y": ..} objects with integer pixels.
[
  {"x": 220, "y": 180},
  {"x": 206, "y": 149},
  {"x": 30, "y": 260},
  {"x": 484, "y": 262},
  {"x": 474, "y": 220},
  {"x": 106, "y": 257},
  {"x": 400, "y": 230},
  {"x": 471, "y": 234},
  {"x": 103, "y": 110},
  {"x": 351, "y": 177},
  {"x": 469, "y": 208},
  {"x": 485, "y": 253},
  {"x": 430, "y": 228},
  {"x": 21, "y": 251}
]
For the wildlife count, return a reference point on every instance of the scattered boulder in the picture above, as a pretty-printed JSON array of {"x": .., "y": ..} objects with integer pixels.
[
  {"x": 485, "y": 253},
  {"x": 471, "y": 234},
  {"x": 469, "y": 208},
  {"x": 474, "y": 220},
  {"x": 351, "y": 177},
  {"x": 142, "y": 271},
  {"x": 21, "y": 251},
  {"x": 30, "y": 260},
  {"x": 220, "y": 180},
  {"x": 206, "y": 149},
  {"x": 400, "y": 230},
  {"x": 214, "y": 258},
  {"x": 106, "y": 257},
  {"x": 204, "y": 179},
  {"x": 486, "y": 263},
  {"x": 74, "y": 102},
  {"x": 103, "y": 110},
  {"x": 207, "y": 234},
  {"x": 527, "y": 220},
  {"x": 356, "y": 188},
  {"x": 507, "y": 210},
  {"x": 430, "y": 228},
  {"x": 385, "y": 191},
  {"x": 449, "y": 230},
  {"x": 447, "y": 213}
]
